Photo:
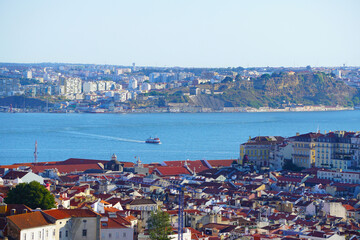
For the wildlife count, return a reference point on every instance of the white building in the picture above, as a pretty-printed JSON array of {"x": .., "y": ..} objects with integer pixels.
[
  {"x": 15, "y": 177},
  {"x": 101, "y": 85},
  {"x": 29, "y": 74},
  {"x": 339, "y": 176},
  {"x": 25, "y": 227},
  {"x": 75, "y": 223},
  {"x": 89, "y": 87},
  {"x": 335, "y": 209},
  {"x": 146, "y": 87},
  {"x": 70, "y": 86},
  {"x": 133, "y": 84},
  {"x": 114, "y": 228},
  {"x": 121, "y": 96}
]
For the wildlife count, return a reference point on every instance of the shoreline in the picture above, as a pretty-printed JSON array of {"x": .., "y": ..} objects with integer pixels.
[{"x": 199, "y": 110}]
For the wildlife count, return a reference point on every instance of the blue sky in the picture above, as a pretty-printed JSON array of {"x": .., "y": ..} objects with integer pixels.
[{"x": 198, "y": 33}]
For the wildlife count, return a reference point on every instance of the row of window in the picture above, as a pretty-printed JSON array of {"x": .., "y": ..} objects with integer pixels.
[
  {"x": 32, "y": 235},
  {"x": 117, "y": 235}
]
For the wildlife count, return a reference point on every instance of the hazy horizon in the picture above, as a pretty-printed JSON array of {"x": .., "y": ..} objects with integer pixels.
[{"x": 195, "y": 34}]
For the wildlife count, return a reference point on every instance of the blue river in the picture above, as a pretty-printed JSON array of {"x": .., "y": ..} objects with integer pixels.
[{"x": 183, "y": 135}]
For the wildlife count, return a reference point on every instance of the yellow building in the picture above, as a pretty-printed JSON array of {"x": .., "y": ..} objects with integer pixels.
[
  {"x": 304, "y": 149},
  {"x": 259, "y": 150}
]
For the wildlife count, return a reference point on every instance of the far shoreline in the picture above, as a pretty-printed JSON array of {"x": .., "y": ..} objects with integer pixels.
[{"x": 202, "y": 110}]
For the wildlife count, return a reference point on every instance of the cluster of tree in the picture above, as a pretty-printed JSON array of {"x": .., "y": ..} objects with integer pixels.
[
  {"x": 159, "y": 226},
  {"x": 33, "y": 195}
]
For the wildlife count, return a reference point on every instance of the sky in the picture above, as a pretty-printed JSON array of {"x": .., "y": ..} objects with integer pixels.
[{"x": 185, "y": 33}]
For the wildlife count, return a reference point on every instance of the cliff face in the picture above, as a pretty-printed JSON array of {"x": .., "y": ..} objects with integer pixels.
[{"x": 302, "y": 88}]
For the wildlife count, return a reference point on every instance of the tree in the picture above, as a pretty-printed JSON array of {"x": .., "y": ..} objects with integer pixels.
[
  {"x": 159, "y": 226},
  {"x": 33, "y": 195}
]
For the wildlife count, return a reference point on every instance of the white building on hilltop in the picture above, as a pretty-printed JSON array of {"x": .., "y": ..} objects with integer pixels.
[{"x": 133, "y": 83}]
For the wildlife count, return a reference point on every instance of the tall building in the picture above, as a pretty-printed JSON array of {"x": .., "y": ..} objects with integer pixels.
[
  {"x": 304, "y": 149},
  {"x": 70, "y": 85},
  {"x": 334, "y": 150},
  {"x": 29, "y": 74},
  {"x": 133, "y": 84},
  {"x": 89, "y": 87}
]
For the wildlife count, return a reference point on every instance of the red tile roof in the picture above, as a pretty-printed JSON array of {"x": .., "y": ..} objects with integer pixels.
[
  {"x": 67, "y": 168},
  {"x": 29, "y": 220},
  {"x": 221, "y": 163},
  {"x": 68, "y": 213}
]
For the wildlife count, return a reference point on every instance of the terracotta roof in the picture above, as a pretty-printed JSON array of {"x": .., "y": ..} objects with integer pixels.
[
  {"x": 111, "y": 223},
  {"x": 221, "y": 163},
  {"x": 67, "y": 168},
  {"x": 171, "y": 171},
  {"x": 29, "y": 220},
  {"x": 68, "y": 213}
]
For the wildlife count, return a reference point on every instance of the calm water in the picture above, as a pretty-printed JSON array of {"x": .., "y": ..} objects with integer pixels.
[{"x": 184, "y": 136}]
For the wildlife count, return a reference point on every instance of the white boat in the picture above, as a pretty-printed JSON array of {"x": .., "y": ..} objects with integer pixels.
[{"x": 153, "y": 140}]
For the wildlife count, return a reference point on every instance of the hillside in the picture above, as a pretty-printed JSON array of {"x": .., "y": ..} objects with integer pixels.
[
  {"x": 279, "y": 89},
  {"x": 23, "y": 102}
]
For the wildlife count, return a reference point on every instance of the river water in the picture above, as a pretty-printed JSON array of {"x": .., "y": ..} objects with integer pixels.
[{"x": 183, "y": 135}]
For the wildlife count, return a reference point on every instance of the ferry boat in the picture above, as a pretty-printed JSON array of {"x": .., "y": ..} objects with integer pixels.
[{"x": 153, "y": 140}]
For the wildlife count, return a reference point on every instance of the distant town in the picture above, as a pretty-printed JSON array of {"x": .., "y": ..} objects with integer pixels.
[
  {"x": 56, "y": 87},
  {"x": 304, "y": 187}
]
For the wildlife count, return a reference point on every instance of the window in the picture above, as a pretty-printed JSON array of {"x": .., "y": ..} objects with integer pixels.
[
  {"x": 39, "y": 234},
  {"x": 54, "y": 232},
  {"x": 24, "y": 236},
  {"x": 124, "y": 234},
  {"x": 109, "y": 235},
  {"x": 47, "y": 233},
  {"x": 66, "y": 233},
  {"x": 60, "y": 234},
  {"x": 84, "y": 233},
  {"x": 32, "y": 235}
]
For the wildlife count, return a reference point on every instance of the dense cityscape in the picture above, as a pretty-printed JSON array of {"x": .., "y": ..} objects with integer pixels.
[
  {"x": 105, "y": 88},
  {"x": 302, "y": 187},
  {"x": 179, "y": 120}
]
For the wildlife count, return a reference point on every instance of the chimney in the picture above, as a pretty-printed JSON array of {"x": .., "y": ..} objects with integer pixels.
[
  {"x": 25, "y": 211},
  {"x": 297, "y": 134}
]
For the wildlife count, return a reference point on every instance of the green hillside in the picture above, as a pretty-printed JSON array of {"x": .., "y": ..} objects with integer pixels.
[{"x": 298, "y": 88}]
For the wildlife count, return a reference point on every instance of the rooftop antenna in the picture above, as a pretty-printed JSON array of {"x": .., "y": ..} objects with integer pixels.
[{"x": 35, "y": 152}]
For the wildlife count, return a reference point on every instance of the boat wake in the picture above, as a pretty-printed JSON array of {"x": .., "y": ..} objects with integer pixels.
[{"x": 105, "y": 137}]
